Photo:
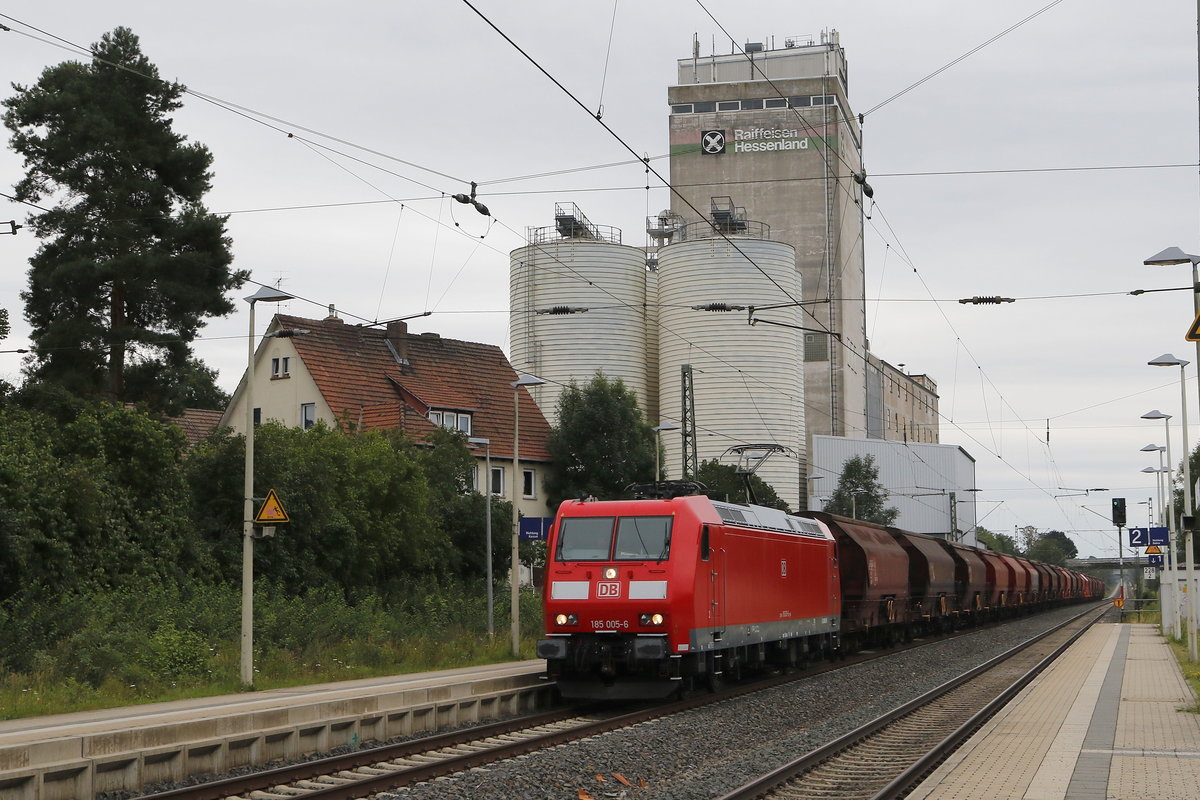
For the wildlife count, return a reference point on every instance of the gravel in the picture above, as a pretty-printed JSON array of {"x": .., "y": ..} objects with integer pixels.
[{"x": 708, "y": 752}]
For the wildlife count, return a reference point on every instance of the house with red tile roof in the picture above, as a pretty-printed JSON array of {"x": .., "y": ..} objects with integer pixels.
[{"x": 358, "y": 378}]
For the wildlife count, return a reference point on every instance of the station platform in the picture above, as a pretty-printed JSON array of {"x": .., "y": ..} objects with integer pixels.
[{"x": 1103, "y": 722}]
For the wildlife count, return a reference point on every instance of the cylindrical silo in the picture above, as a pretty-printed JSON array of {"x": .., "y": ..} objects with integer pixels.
[
  {"x": 748, "y": 381},
  {"x": 586, "y": 269}
]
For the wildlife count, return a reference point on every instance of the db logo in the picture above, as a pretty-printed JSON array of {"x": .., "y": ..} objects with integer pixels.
[{"x": 608, "y": 589}]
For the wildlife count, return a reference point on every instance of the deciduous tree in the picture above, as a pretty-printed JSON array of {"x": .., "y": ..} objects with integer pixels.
[
  {"x": 602, "y": 443},
  {"x": 724, "y": 483},
  {"x": 859, "y": 493},
  {"x": 999, "y": 542}
]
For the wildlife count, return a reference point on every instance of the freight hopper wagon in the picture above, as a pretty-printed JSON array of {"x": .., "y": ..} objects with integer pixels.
[{"x": 644, "y": 598}]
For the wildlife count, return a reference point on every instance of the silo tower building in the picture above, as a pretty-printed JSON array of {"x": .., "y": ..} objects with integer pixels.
[{"x": 774, "y": 128}]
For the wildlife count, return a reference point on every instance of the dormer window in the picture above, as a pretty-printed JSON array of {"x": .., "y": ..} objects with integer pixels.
[
  {"x": 280, "y": 366},
  {"x": 451, "y": 420}
]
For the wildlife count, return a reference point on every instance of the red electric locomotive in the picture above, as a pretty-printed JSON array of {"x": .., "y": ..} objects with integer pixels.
[{"x": 645, "y": 597}]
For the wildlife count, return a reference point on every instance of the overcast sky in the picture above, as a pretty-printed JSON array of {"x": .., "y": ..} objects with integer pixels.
[{"x": 1044, "y": 167}]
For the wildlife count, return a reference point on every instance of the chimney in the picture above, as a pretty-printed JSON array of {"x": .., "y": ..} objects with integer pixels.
[
  {"x": 333, "y": 317},
  {"x": 397, "y": 339}
]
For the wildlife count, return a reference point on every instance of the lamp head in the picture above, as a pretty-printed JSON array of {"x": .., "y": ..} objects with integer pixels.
[
  {"x": 1155, "y": 414},
  {"x": 1168, "y": 360},
  {"x": 268, "y": 294},
  {"x": 1170, "y": 256},
  {"x": 527, "y": 380},
  {"x": 1153, "y": 448}
]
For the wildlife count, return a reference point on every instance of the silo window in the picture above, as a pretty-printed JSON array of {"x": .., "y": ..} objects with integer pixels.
[
  {"x": 801, "y": 102},
  {"x": 682, "y": 108},
  {"x": 752, "y": 104},
  {"x": 729, "y": 105},
  {"x": 775, "y": 102},
  {"x": 700, "y": 108}
]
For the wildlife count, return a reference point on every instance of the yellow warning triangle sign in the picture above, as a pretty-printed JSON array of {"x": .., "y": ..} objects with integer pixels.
[
  {"x": 1193, "y": 334},
  {"x": 1154, "y": 550},
  {"x": 271, "y": 510}
]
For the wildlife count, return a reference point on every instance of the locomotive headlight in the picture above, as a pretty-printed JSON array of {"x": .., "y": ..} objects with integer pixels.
[
  {"x": 651, "y": 619},
  {"x": 566, "y": 619},
  {"x": 610, "y": 573}
]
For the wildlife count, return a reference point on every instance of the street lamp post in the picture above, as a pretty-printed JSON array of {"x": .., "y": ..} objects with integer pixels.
[
  {"x": 1168, "y": 360},
  {"x": 1168, "y": 512},
  {"x": 1171, "y": 257},
  {"x": 266, "y": 294},
  {"x": 515, "y": 579},
  {"x": 808, "y": 489},
  {"x": 666, "y": 426},
  {"x": 854, "y": 502},
  {"x": 487, "y": 459},
  {"x": 1158, "y": 448}
]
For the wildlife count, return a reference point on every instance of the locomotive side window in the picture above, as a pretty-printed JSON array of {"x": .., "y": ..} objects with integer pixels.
[
  {"x": 585, "y": 539},
  {"x": 705, "y": 550},
  {"x": 643, "y": 539}
]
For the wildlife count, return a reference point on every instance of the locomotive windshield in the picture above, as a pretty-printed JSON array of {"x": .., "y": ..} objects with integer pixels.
[{"x": 594, "y": 539}]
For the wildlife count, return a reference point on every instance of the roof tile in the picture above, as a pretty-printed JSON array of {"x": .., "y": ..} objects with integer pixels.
[{"x": 358, "y": 373}]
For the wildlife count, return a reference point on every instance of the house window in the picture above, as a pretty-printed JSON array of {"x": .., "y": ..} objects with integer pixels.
[
  {"x": 527, "y": 484},
  {"x": 280, "y": 367},
  {"x": 451, "y": 420},
  {"x": 258, "y": 416},
  {"x": 498, "y": 481},
  {"x": 308, "y": 415}
]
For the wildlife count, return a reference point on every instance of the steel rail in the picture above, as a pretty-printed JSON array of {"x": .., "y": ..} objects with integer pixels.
[
  {"x": 779, "y": 777},
  {"x": 348, "y": 785},
  {"x": 909, "y": 778}
]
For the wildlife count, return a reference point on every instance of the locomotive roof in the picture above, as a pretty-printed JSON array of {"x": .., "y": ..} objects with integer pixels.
[{"x": 769, "y": 518}]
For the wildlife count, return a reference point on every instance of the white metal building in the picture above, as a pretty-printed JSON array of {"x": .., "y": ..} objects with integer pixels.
[{"x": 932, "y": 485}]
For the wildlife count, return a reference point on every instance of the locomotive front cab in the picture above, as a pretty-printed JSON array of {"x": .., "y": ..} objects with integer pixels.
[{"x": 608, "y": 612}]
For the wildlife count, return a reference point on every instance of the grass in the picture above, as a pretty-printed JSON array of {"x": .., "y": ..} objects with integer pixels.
[
  {"x": 1191, "y": 671},
  {"x": 110, "y": 650},
  {"x": 46, "y": 692}
]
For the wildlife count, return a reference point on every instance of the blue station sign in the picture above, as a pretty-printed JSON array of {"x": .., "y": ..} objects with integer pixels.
[{"x": 1144, "y": 537}]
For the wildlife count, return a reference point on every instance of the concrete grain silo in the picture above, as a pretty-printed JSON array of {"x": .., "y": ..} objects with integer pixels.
[
  {"x": 748, "y": 381},
  {"x": 578, "y": 307}
]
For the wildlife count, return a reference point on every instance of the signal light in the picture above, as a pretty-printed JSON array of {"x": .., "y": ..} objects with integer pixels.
[{"x": 1118, "y": 511}]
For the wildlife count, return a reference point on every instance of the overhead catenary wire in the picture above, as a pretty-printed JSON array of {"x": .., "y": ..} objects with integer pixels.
[{"x": 922, "y": 300}]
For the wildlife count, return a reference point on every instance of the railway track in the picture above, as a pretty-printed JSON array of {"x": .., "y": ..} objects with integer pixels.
[
  {"x": 887, "y": 757},
  {"x": 369, "y": 771}
]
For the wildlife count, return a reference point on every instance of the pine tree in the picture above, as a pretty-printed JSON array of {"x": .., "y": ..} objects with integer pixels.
[{"x": 131, "y": 263}]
